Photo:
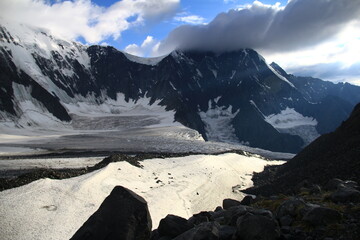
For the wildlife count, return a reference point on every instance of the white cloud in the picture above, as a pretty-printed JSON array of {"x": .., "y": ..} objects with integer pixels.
[
  {"x": 302, "y": 33},
  {"x": 191, "y": 19},
  {"x": 270, "y": 28},
  {"x": 147, "y": 48},
  {"x": 148, "y": 42},
  {"x": 337, "y": 59},
  {"x": 82, "y": 18}
]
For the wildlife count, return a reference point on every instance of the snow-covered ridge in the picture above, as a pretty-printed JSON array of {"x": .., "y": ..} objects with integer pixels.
[
  {"x": 23, "y": 41},
  {"x": 147, "y": 61},
  {"x": 280, "y": 76}
]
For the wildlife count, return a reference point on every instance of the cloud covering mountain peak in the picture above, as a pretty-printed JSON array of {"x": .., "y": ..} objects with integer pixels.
[{"x": 269, "y": 28}]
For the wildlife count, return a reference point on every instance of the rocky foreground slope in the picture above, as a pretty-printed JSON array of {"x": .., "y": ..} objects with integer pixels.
[
  {"x": 306, "y": 202},
  {"x": 313, "y": 214}
]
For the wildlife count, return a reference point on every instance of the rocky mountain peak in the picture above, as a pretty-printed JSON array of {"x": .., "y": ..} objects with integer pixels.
[{"x": 233, "y": 96}]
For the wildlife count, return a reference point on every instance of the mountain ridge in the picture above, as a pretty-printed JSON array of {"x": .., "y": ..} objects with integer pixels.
[{"x": 211, "y": 93}]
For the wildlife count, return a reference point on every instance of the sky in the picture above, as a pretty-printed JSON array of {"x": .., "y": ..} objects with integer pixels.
[{"x": 318, "y": 38}]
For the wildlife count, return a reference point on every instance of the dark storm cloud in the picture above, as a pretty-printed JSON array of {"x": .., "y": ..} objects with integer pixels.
[
  {"x": 333, "y": 71},
  {"x": 300, "y": 24}
]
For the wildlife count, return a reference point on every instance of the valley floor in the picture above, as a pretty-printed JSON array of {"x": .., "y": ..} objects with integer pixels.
[{"x": 55, "y": 209}]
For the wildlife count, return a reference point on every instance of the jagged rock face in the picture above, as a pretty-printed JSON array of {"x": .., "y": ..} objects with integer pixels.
[{"x": 230, "y": 97}]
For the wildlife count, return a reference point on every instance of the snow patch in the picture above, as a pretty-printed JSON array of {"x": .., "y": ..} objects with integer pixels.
[
  {"x": 172, "y": 85},
  {"x": 233, "y": 74},
  {"x": 214, "y": 73},
  {"x": 289, "y": 118},
  {"x": 199, "y": 73},
  {"x": 218, "y": 125},
  {"x": 146, "y": 61},
  {"x": 292, "y": 122},
  {"x": 120, "y": 107}
]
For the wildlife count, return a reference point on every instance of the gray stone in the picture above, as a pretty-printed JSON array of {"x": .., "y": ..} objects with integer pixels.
[
  {"x": 345, "y": 194},
  {"x": 233, "y": 213},
  {"x": 203, "y": 231},
  {"x": 122, "y": 215},
  {"x": 315, "y": 189},
  {"x": 250, "y": 227},
  {"x": 322, "y": 216},
  {"x": 173, "y": 226},
  {"x": 218, "y": 208},
  {"x": 291, "y": 207},
  {"x": 226, "y": 232},
  {"x": 333, "y": 184},
  {"x": 198, "y": 218},
  {"x": 247, "y": 200},
  {"x": 286, "y": 220},
  {"x": 262, "y": 212},
  {"x": 228, "y": 203},
  {"x": 351, "y": 184}
]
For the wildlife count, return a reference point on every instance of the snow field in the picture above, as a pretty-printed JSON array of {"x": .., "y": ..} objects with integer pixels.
[{"x": 55, "y": 209}]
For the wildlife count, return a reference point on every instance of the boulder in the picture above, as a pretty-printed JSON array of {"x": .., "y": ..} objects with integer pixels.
[
  {"x": 226, "y": 232},
  {"x": 228, "y": 203},
  {"x": 289, "y": 210},
  {"x": 232, "y": 214},
  {"x": 321, "y": 216},
  {"x": 333, "y": 184},
  {"x": 249, "y": 227},
  {"x": 247, "y": 200},
  {"x": 198, "y": 218},
  {"x": 203, "y": 231},
  {"x": 315, "y": 189},
  {"x": 351, "y": 184},
  {"x": 345, "y": 194},
  {"x": 122, "y": 215},
  {"x": 173, "y": 226},
  {"x": 218, "y": 208}
]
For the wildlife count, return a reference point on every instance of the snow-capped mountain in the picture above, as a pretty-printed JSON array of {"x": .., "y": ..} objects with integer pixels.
[{"x": 230, "y": 97}]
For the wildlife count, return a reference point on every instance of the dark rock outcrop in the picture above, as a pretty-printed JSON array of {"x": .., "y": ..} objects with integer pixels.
[{"x": 122, "y": 215}]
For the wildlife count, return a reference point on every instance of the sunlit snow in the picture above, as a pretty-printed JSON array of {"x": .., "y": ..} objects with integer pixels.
[{"x": 54, "y": 209}]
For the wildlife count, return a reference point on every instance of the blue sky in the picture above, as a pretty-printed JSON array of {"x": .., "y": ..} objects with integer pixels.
[{"x": 320, "y": 38}]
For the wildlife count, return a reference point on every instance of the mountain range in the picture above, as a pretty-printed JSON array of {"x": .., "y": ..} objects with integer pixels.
[{"x": 232, "y": 97}]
